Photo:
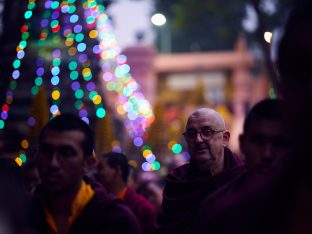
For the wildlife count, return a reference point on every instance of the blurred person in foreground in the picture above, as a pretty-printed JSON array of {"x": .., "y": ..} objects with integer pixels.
[
  {"x": 15, "y": 208},
  {"x": 281, "y": 203},
  {"x": 68, "y": 201},
  {"x": 265, "y": 145},
  {"x": 113, "y": 174},
  {"x": 211, "y": 170}
]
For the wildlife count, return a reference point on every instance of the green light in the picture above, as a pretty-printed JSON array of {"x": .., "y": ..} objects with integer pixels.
[
  {"x": 74, "y": 75},
  {"x": 56, "y": 62},
  {"x": 22, "y": 157},
  {"x": 38, "y": 81},
  {"x": 17, "y": 63},
  {"x": 272, "y": 93},
  {"x": 79, "y": 93},
  {"x": 71, "y": 1},
  {"x": 87, "y": 77},
  {"x": 23, "y": 44},
  {"x": 1, "y": 124},
  {"x": 25, "y": 35},
  {"x": 176, "y": 148},
  {"x": 55, "y": 4},
  {"x": 92, "y": 94},
  {"x": 28, "y": 14},
  {"x": 13, "y": 85},
  {"x": 146, "y": 147},
  {"x": 100, "y": 112},
  {"x": 31, "y": 5},
  {"x": 46, "y": 14},
  {"x": 79, "y": 37},
  {"x": 78, "y": 104},
  {"x": 54, "y": 23},
  {"x": 34, "y": 90},
  {"x": 156, "y": 165},
  {"x": 92, "y": 4},
  {"x": 71, "y": 9},
  {"x": 72, "y": 65},
  {"x": 90, "y": 19}
]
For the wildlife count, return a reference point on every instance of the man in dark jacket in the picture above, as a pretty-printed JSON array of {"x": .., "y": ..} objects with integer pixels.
[
  {"x": 67, "y": 203},
  {"x": 212, "y": 168},
  {"x": 113, "y": 174}
]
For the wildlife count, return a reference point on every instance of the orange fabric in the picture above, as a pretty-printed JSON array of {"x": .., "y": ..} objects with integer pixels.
[
  {"x": 122, "y": 194},
  {"x": 82, "y": 198}
]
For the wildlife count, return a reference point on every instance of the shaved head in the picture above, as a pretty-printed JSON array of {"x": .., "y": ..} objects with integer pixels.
[
  {"x": 211, "y": 114},
  {"x": 206, "y": 137}
]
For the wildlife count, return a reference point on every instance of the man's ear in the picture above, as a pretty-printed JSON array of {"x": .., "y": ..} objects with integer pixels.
[
  {"x": 90, "y": 163},
  {"x": 226, "y": 138}
]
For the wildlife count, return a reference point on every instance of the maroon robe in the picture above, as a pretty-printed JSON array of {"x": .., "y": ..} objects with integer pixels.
[
  {"x": 143, "y": 209},
  {"x": 185, "y": 189}
]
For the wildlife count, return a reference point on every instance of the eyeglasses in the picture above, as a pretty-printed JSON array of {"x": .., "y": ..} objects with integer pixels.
[{"x": 206, "y": 133}]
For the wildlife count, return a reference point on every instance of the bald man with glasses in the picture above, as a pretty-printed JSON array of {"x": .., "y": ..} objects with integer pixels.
[{"x": 211, "y": 170}]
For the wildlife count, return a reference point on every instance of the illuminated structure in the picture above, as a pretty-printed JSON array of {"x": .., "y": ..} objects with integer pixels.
[{"x": 70, "y": 44}]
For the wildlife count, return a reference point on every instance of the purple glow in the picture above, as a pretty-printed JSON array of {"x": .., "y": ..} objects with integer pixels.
[
  {"x": 83, "y": 113},
  {"x": 85, "y": 119},
  {"x": 47, "y": 4},
  {"x": 31, "y": 121},
  {"x": 40, "y": 71},
  {"x": 138, "y": 141},
  {"x": 55, "y": 15},
  {"x": 4, "y": 115},
  {"x": 44, "y": 23},
  {"x": 66, "y": 19},
  {"x": 96, "y": 49},
  {"x": 77, "y": 28},
  {"x": 16, "y": 74},
  {"x": 75, "y": 85},
  {"x": 39, "y": 62},
  {"x": 83, "y": 58},
  {"x": 56, "y": 53},
  {"x": 91, "y": 86}
]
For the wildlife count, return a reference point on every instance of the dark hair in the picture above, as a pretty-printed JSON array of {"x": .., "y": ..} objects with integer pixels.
[
  {"x": 115, "y": 159},
  {"x": 267, "y": 109},
  {"x": 68, "y": 122}
]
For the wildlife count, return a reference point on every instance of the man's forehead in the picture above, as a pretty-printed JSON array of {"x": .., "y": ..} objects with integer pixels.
[
  {"x": 67, "y": 135},
  {"x": 267, "y": 126}
]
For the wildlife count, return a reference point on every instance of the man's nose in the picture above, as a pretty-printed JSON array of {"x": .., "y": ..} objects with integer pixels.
[
  {"x": 268, "y": 152},
  {"x": 199, "y": 137},
  {"x": 55, "y": 160}
]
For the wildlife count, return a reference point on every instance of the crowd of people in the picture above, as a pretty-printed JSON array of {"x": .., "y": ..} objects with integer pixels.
[{"x": 65, "y": 188}]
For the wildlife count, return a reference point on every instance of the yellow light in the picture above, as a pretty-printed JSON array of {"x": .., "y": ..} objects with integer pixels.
[
  {"x": 146, "y": 152},
  {"x": 171, "y": 143},
  {"x": 56, "y": 94},
  {"x": 115, "y": 143},
  {"x": 72, "y": 51},
  {"x": 86, "y": 71},
  {"x": 120, "y": 110},
  {"x": 97, "y": 99},
  {"x": 18, "y": 161},
  {"x": 268, "y": 37},
  {"x": 133, "y": 163},
  {"x": 93, "y": 34},
  {"x": 24, "y": 144}
]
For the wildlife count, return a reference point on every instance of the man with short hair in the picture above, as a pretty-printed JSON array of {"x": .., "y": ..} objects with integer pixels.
[
  {"x": 113, "y": 172},
  {"x": 211, "y": 170},
  {"x": 68, "y": 203},
  {"x": 264, "y": 139},
  {"x": 264, "y": 143}
]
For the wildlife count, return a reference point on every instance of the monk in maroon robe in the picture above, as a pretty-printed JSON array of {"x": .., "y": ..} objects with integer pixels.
[{"x": 211, "y": 171}]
